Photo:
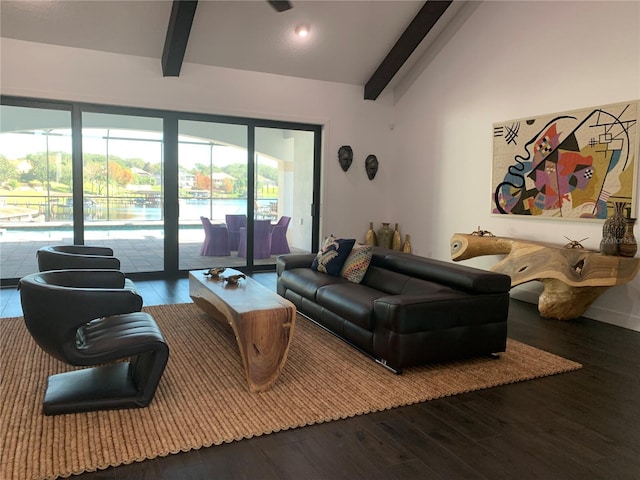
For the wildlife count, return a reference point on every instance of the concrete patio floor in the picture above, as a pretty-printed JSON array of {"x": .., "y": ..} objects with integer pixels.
[{"x": 138, "y": 251}]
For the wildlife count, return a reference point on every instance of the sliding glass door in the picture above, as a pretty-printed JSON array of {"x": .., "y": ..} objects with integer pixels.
[
  {"x": 167, "y": 191},
  {"x": 245, "y": 193},
  {"x": 36, "y": 180},
  {"x": 212, "y": 193},
  {"x": 283, "y": 191},
  {"x": 123, "y": 198}
]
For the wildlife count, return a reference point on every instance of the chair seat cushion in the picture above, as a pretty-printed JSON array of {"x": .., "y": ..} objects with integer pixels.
[{"x": 115, "y": 337}]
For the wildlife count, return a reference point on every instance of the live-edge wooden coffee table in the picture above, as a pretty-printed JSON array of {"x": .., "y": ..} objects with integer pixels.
[{"x": 261, "y": 319}]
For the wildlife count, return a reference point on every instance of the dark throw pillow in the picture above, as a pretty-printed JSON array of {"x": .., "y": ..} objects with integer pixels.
[{"x": 334, "y": 253}]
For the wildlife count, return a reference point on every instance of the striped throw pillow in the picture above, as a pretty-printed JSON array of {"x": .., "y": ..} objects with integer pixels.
[{"x": 356, "y": 264}]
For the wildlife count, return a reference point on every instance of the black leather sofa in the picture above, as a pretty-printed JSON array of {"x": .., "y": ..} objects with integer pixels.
[{"x": 408, "y": 310}]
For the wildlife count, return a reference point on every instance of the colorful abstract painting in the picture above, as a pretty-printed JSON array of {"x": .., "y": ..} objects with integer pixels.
[{"x": 572, "y": 165}]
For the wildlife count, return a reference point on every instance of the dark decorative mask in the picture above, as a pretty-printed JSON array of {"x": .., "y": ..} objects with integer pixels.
[
  {"x": 345, "y": 157},
  {"x": 371, "y": 165}
]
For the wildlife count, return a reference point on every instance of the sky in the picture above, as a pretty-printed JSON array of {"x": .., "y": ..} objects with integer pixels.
[{"x": 15, "y": 146}]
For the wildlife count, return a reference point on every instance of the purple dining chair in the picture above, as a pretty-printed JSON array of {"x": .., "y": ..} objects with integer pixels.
[
  {"x": 279, "y": 243},
  {"x": 216, "y": 239},
  {"x": 261, "y": 240},
  {"x": 234, "y": 223}
]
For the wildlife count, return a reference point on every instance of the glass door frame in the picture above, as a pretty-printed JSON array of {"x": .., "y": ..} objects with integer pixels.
[{"x": 170, "y": 177}]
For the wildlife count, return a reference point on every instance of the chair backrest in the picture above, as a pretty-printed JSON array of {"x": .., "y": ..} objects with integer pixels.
[
  {"x": 235, "y": 222},
  {"x": 206, "y": 223},
  {"x": 59, "y": 257},
  {"x": 284, "y": 222},
  {"x": 82, "y": 250},
  {"x": 261, "y": 228},
  {"x": 55, "y": 303}
]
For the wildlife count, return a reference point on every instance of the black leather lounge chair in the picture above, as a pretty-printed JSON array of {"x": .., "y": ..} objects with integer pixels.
[
  {"x": 60, "y": 257},
  {"x": 91, "y": 318}
]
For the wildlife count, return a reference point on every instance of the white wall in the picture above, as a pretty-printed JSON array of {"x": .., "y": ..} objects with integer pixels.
[
  {"x": 52, "y": 72},
  {"x": 509, "y": 60}
]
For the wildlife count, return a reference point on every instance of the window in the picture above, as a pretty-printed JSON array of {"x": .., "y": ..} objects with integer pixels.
[{"x": 139, "y": 181}]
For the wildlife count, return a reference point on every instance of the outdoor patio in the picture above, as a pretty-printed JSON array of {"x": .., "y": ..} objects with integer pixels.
[{"x": 138, "y": 251}]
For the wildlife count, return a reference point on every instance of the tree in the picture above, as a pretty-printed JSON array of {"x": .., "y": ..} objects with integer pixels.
[
  {"x": 118, "y": 174},
  {"x": 38, "y": 171},
  {"x": 8, "y": 170},
  {"x": 153, "y": 168},
  {"x": 203, "y": 182},
  {"x": 227, "y": 185},
  {"x": 133, "y": 162},
  {"x": 239, "y": 172},
  {"x": 95, "y": 173},
  {"x": 268, "y": 172},
  {"x": 201, "y": 168}
]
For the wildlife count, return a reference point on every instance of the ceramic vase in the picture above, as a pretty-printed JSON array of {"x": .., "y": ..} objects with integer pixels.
[
  {"x": 628, "y": 244},
  {"x": 370, "y": 237},
  {"x": 396, "y": 242},
  {"x": 406, "y": 246},
  {"x": 385, "y": 236},
  {"x": 613, "y": 230}
]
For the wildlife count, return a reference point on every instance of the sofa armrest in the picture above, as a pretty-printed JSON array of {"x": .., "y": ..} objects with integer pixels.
[
  {"x": 294, "y": 260},
  {"x": 410, "y": 313}
]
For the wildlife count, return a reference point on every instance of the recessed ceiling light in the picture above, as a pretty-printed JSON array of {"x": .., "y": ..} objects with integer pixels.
[{"x": 302, "y": 30}]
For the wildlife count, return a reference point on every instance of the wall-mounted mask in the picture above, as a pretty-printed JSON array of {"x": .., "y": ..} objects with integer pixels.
[
  {"x": 345, "y": 157},
  {"x": 371, "y": 165}
]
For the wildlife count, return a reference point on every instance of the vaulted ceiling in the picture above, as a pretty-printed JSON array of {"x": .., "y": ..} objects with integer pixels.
[{"x": 349, "y": 42}]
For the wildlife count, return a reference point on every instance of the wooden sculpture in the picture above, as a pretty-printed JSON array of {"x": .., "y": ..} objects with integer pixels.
[{"x": 573, "y": 278}]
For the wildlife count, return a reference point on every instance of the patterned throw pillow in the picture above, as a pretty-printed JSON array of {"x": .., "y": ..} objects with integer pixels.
[
  {"x": 355, "y": 267},
  {"x": 332, "y": 256}
]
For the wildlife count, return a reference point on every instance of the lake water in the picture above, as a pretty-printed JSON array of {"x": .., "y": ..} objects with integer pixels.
[
  {"x": 130, "y": 220},
  {"x": 189, "y": 210}
]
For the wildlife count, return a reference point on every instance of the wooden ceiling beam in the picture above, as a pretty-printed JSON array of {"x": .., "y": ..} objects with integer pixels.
[
  {"x": 175, "y": 44},
  {"x": 422, "y": 23},
  {"x": 280, "y": 5}
]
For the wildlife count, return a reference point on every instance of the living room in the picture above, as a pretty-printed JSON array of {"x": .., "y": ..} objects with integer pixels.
[
  {"x": 432, "y": 133},
  {"x": 488, "y": 71}
]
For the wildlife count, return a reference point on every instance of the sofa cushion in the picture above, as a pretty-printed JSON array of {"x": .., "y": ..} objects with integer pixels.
[
  {"x": 305, "y": 282},
  {"x": 332, "y": 255},
  {"x": 384, "y": 280},
  {"x": 447, "y": 273},
  {"x": 415, "y": 286},
  {"x": 357, "y": 263},
  {"x": 351, "y": 301}
]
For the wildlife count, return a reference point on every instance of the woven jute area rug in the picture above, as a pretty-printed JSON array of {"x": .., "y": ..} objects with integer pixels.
[{"x": 203, "y": 398}]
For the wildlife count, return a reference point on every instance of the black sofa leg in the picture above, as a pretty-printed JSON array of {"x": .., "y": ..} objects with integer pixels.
[{"x": 494, "y": 356}]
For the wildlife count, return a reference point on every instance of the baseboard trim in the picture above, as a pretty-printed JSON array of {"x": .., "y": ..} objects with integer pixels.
[
  {"x": 595, "y": 312},
  {"x": 620, "y": 319}
]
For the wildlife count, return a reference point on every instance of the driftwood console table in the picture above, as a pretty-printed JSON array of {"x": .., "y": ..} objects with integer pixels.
[{"x": 573, "y": 278}]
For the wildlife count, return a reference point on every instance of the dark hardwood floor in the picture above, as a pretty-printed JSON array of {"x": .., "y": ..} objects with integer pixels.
[{"x": 580, "y": 425}]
